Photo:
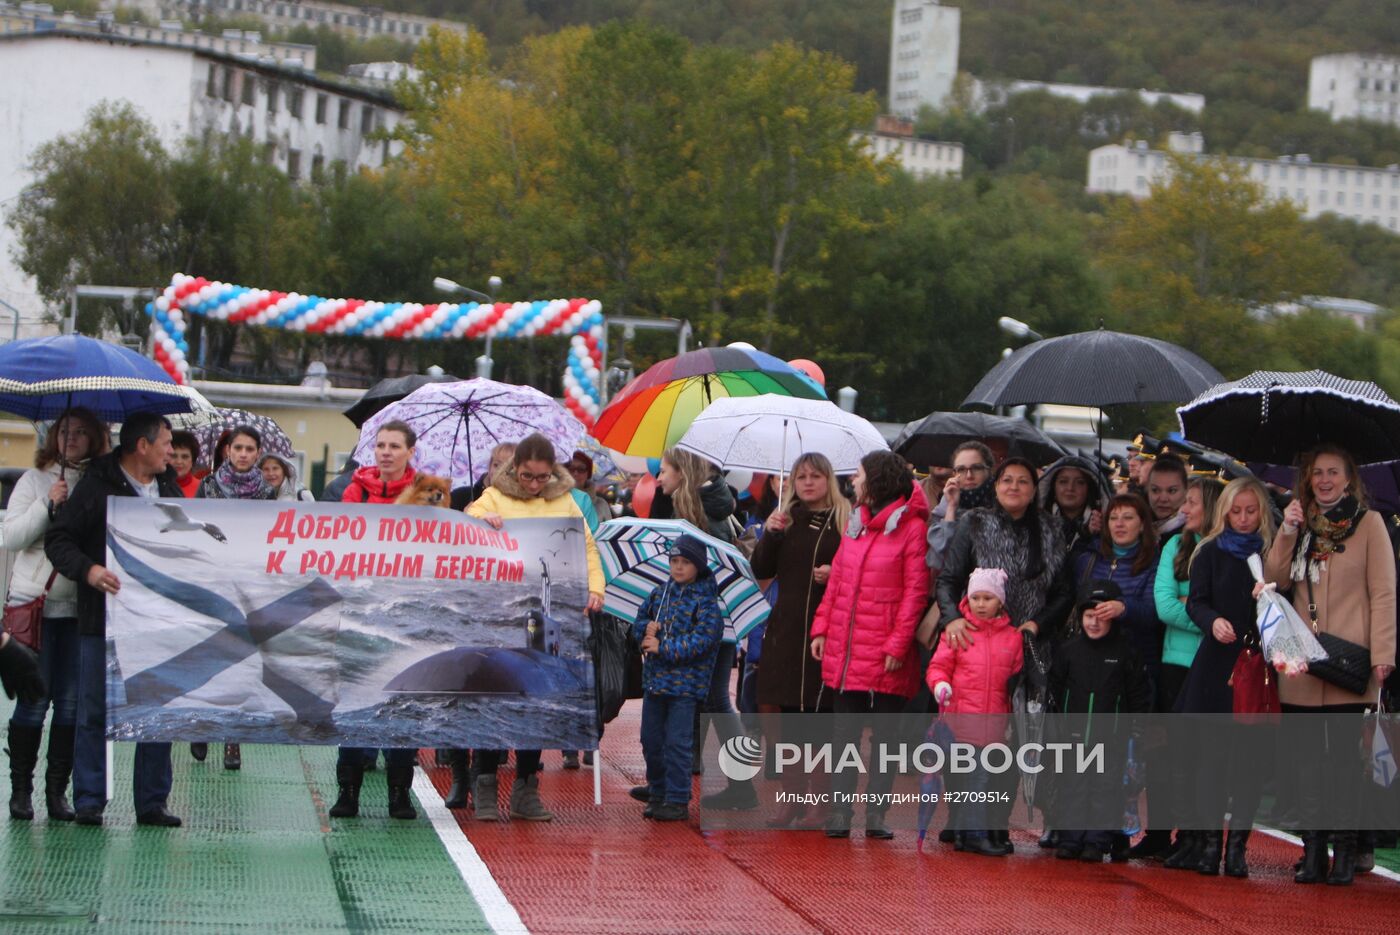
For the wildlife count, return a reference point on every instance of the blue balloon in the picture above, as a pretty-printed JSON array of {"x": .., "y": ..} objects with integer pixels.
[{"x": 654, "y": 466}]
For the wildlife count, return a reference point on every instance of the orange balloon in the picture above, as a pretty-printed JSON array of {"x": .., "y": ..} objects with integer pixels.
[
  {"x": 642, "y": 495},
  {"x": 810, "y": 368}
]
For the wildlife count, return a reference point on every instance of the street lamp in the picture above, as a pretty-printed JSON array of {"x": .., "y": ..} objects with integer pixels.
[
  {"x": 443, "y": 284},
  {"x": 1018, "y": 329}
]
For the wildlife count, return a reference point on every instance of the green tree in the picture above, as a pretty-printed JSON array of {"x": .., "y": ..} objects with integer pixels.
[{"x": 101, "y": 209}]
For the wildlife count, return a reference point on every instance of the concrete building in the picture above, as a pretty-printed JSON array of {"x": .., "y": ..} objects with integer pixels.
[
  {"x": 306, "y": 124},
  {"x": 894, "y": 139},
  {"x": 1361, "y": 193},
  {"x": 354, "y": 21},
  {"x": 1359, "y": 312},
  {"x": 39, "y": 17},
  {"x": 993, "y": 92},
  {"x": 924, "y": 37},
  {"x": 1352, "y": 85}
]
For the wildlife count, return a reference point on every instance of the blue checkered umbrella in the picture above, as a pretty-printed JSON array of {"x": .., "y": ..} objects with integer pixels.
[{"x": 634, "y": 559}]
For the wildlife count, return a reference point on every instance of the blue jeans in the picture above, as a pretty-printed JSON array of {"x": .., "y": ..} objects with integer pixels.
[
  {"x": 364, "y": 755},
  {"x": 59, "y": 663},
  {"x": 150, "y": 775},
  {"x": 668, "y": 732}
]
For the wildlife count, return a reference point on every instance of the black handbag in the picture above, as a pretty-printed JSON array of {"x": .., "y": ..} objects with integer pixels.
[{"x": 1348, "y": 664}]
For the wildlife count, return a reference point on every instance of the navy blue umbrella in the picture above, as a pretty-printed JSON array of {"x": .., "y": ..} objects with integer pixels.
[{"x": 41, "y": 377}]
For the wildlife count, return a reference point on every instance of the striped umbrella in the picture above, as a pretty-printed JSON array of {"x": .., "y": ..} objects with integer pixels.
[
  {"x": 654, "y": 410},
  {"x": 634, "y": 559}
]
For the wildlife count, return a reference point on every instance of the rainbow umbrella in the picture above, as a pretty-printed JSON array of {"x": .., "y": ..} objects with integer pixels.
[{"x": 654, "y": 410}]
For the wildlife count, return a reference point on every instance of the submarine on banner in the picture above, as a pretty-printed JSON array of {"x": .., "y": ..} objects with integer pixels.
[{"x": 534, "y": 669}]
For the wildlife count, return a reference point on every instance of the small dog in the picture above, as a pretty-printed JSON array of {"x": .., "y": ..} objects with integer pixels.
[{"x": 427, "y": 490}]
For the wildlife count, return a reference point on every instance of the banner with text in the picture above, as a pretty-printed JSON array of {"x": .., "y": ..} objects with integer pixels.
[{"x": 330, "y": 623}]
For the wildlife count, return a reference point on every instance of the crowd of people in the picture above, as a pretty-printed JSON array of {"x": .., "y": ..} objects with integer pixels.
[{"x": 892, "y": 591}]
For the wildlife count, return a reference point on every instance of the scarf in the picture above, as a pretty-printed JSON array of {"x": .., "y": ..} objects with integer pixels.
[
  {"x": 241, "y": 485},
  {"x": 1240, "y": 545},
  {"x": 984, "y": 494},
  {"x": 1323, "y": 536}
]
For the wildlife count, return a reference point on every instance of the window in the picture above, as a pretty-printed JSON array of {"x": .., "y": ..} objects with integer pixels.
[
  {"x": 366, "y": 119},
  {"x": 1358, "y": 200},
  {"x": 1323, "y": 175},
  {"x": 228, "y": 85},
  {"x": 344, "y": 121},
  {"x": 270, "y": 152},
  {"x": 1322, "y": 197},
  {"x": 272, "y": 97},
  {"x": 318, "y": 167},
  {"x": 321, "y": 100},
  {"x": 1266, "y": 170},
  {"x": 249, "y": 86},
  {"x": 294, "y": 97},
  {"x": 211, "y": 89},
  {"x": 1376, "y": 202},
  {"x": 1300, "y": 197},
  {"x": 294, "y": 163}
]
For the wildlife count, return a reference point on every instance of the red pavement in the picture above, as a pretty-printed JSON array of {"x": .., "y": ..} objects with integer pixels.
[{"x": 604, "y": 869}]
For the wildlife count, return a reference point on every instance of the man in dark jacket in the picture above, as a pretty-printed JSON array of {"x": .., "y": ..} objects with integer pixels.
[{"x": 76, "y": 544}]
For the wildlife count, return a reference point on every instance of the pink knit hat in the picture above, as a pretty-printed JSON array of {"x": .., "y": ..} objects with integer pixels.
[{"x": 990, "y": 580}]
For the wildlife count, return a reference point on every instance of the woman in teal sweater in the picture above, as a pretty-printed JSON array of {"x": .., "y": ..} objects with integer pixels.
[{"x": 1183, "y": 637}]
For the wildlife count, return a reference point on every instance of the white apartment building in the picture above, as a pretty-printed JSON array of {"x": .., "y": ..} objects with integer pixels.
[
  {"x": 306, "y": 125},
  {"x": 1362, "y": 193},
  {"x": 894, "y": 139},
  {"x": 924, "y": 37},
  {"x": 1352, "y": 85},
  {"x": 357, "y": 22}
]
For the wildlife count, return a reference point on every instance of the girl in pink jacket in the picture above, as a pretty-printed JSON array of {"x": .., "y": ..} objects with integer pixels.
[{"x": 972, "y": 687}]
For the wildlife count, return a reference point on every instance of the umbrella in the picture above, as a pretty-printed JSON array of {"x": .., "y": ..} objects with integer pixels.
[
  {"x": 1272, "y": 416},
  {"x": 41, "y": 377},
  {"x": 652, "y": 412},
  {"x": 767, "y": 433},
  {"x": 1095, "y": 368},
  {"x": 605, "y": 468},
  {"x": 459, "y": 423},
  {"x": 931, "y": 440},
  {"x": 391, "y": 391},
  {"x": 1381, "y": 480},
  {"x": 634, "y": 559},
  {"x": 931, "y": 787},
  {"x": 274, "y": 440},
  {"x": 202, "y": 411}
]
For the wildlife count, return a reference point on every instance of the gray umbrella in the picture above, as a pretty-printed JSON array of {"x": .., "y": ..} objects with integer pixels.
[
  {"x": 1095, "y": 368},
  {"x": 1273, "y": 416},
  {"x": 931, "y": 440}
]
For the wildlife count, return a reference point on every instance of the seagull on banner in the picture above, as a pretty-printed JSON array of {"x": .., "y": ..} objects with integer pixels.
[{"x": 179, "y": 522}]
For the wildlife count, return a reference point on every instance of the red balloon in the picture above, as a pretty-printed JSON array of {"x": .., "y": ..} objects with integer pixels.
[
  {"x": 642, "y": 495},
  {"x": 810, "y": 368}
]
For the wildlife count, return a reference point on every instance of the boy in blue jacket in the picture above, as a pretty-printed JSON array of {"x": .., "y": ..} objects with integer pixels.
[{"x": 679, "y": 628}]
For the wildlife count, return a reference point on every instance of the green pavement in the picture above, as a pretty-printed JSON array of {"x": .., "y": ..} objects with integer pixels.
[{"x": 256, "y": 854}]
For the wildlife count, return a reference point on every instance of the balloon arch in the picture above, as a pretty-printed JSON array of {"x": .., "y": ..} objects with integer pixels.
[{"x": 582, "y": 319}]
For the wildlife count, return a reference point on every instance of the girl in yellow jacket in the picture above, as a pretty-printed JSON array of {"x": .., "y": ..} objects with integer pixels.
[{"x": 533, "y": 485}]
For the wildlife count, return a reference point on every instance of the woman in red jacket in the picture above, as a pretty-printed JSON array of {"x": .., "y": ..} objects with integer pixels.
[{"x": 863, "y": 632}]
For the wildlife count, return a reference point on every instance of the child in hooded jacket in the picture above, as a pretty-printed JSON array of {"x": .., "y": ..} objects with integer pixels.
[
  {"x": 973, "y": 690},
  {"x": 679, "y": 627}
]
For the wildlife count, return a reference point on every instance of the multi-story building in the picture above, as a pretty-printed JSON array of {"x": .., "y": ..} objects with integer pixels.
[
  {"x": 993, "y": 92},
  {"x": 924, "y": 38},
  {"x": 894, "y": 139},
  {"x": 1361, "y": 193},
  {"x": 306, "y": 124},
  {"x": 1352, "y": 85},
  {"x": 354, "y": 21}
]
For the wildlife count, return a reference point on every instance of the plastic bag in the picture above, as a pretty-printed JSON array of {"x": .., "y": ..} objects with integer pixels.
[
  {"x": 612, "y": 648},
  {"x": 1287, "y": 643}
]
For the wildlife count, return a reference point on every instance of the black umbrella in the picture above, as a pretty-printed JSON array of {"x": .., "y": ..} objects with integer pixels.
[
  {"x": 1095, "y": 368},
  {"x": 391, "y": 391},
  {"x": 931, "y": 440},
  {"x": 1272, "y": 416}
]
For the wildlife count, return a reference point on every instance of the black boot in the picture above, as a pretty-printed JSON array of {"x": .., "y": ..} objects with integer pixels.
[
  {"x": 60, "y": 768},
  {"x": 1209, "y": 864},
  {"x": 1152, "y": 844},
  {"x": 1188, "y": 852},
  {"x": 460, "y": 793},
  {"x": 1343, "y": 858},
  {"x": 24, "y": 753},
  {"x": 1235, "y": 865},
  {"x": 1313, "y": 867},
  {"x": 348, "y": 776},
  {"x": 400, "y": 806}
]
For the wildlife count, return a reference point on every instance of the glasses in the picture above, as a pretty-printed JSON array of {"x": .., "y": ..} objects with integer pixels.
[
  {"x": 529, "y": 478},
  {"x": 966, "y": 469}
]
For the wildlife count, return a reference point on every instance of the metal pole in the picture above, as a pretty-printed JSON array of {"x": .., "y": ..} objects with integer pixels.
[{"x": 14, "y": 335}]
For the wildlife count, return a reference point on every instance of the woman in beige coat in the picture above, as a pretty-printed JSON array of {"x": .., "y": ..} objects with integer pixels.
[{"x": 1335, "y": 555}]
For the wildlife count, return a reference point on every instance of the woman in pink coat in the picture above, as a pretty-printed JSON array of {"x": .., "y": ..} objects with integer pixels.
[{"x": 863, "y": 632}]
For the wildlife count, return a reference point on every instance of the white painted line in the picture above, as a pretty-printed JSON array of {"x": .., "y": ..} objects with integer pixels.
[
  {"x": 597, "y": 777},
  {"x": 1379, "y": 871},
  {"x": 499, "y": 913}
]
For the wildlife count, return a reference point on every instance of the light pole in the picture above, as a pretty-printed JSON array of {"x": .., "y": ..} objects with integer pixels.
[
  {"x": 1018, "y": 329},
  {"x": 493, "y": 283}
]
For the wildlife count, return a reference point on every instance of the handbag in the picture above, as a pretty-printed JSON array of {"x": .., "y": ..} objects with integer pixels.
[
  {"x": 25, "y": 622},
  {"x": 1348, "y": 664},
  {"x": 1255, "y": 685}
]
